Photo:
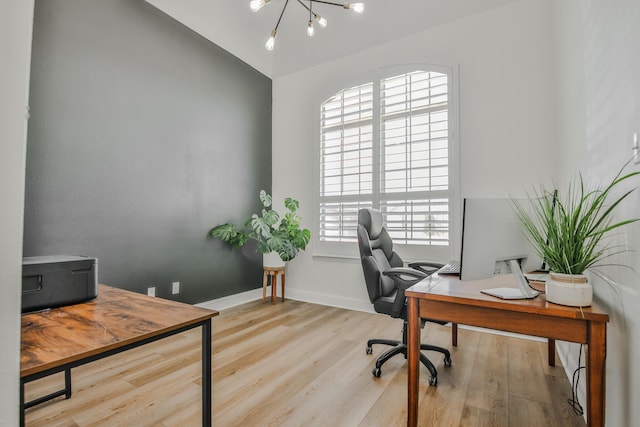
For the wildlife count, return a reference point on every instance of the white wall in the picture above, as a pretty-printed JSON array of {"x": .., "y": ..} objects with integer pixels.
[
  {"x": 506, "y": 131},
  {"x": 15, "y": 51},
  {"x": 598, "y": 64}
]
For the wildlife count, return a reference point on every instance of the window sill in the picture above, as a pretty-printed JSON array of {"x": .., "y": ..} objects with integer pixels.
[{"x": 336, "y": 258}]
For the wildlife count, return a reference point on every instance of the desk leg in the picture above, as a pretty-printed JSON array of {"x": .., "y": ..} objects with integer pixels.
[
  {"x": 206, "y": 373},
  {"x": 551, "y": 351},
  {"x": 413, "y": 356},
  {"x": 454, "y": 334},
  {"x": 596, "y": 372}
]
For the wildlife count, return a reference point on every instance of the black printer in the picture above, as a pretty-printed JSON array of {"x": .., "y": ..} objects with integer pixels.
[{"x": 57, "y": 280}]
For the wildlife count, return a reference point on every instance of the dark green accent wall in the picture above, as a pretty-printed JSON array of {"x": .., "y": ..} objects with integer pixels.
[{"x": 143, "y": 136}]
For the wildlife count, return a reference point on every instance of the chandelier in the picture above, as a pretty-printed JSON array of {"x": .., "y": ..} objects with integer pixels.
[{"x": 256, "y": 5}]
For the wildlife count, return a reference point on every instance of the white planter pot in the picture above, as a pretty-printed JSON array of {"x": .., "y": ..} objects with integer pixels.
[
  {"x": 272, "y": 259},
  {"x": 569, "y": 289}
]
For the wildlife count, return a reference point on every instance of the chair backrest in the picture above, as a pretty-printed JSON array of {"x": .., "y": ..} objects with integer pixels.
[{"x": 376, "y": 253}]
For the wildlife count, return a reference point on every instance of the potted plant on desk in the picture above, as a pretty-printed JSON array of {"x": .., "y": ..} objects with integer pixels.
[
  {"x": 568, "y": 232},
  {"x": 279, "y": 238}
]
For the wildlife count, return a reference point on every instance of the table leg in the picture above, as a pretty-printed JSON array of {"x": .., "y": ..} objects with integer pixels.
[
  {"x": 274, "y": 284},
  {"x": 551, "y": 350},
  {"x": 596, "y": 372},
  {"x": 413, "y": 356},
  {"x": 282, "y": 281},
  {"x": 67, "y": 383},
  {"x": 206, "y": 373},
  {"x": 264, "y": 287},
  {"x": 22, "y": 408}
]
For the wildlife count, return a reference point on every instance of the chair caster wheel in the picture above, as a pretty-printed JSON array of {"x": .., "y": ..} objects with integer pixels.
[
  {"x": 433, "y": 381},
  {"x": 376, "y": 372},
  {"x": 369, "y": 350},
  {"x": 447, "y": 361}
]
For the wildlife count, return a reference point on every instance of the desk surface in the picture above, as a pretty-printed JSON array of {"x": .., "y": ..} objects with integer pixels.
[
  {"x": 448, "y": 289},
  {"x": 114, "y": 319}
]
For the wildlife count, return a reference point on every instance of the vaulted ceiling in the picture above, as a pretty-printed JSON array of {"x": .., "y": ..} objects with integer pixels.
[{"x": 233, "y": 26}]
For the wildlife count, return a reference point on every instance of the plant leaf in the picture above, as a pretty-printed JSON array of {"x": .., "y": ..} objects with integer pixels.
[
  {"x": 224, "y": 232},
  {"x": 291, "y": 204},
  {"x": 260, "y": 227},
  {"x": 265, "y": 198},
  {"x": 228, "y": 233}
]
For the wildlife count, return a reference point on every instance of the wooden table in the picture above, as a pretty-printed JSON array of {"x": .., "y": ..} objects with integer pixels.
[
  {"x": 447, "y": 298},
  {"x": 59, "y": 339}
]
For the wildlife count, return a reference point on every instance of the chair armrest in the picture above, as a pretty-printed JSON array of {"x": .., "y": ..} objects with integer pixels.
[
  {"x": 401, "y": 282},
  {"x": 398, "y": 274},
  {"x": 427, "y": 267}
]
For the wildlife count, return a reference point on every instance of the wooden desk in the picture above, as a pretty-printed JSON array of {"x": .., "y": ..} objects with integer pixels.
[
  {"x": 59, "y": 339},
  {"x": 447, "y": 298}
]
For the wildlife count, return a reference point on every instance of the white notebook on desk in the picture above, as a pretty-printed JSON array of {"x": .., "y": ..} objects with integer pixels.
[{"x": 509, "y": 293}]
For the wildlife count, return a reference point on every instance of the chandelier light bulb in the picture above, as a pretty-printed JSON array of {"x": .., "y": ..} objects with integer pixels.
[
  {"x": 256, "y": 5},
  {"x": 356, "y": 7},
  {"x": 310, "y": 30},
  {"x": 272, "y": 41},
  {"x": 321, "y": 21}
]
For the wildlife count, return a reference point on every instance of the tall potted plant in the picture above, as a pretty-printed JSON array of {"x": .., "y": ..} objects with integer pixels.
[
  {"x": 279, "y": 238},
  {"x": 569, "y": 232}
]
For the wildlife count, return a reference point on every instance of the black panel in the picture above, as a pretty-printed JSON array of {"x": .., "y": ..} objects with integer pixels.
[{"x": 143, "y": 136}]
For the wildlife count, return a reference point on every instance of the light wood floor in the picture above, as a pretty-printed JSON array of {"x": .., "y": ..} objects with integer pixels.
[{"x": 300, "y": 364}]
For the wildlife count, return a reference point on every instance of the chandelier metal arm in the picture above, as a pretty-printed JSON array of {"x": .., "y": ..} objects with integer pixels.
[
  {"x": 306, "y": 7},
  {"x": 281, "y": 13},
  {"x": 327, "y": 2}
]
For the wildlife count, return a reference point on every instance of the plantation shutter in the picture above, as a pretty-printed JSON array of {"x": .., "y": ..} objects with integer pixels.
[
  {"x": 346, "y": 161},
  {"x": 386, "y": 145}
]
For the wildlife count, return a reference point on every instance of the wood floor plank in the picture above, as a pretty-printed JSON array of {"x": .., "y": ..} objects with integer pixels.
[
  {"x": 488, "y": 388},
  {"x": 525, "y": 365},
  {"x": 448, "y": 399},
  {"x": 394, "y": 396},
  {"x": 300, "y": 364}
]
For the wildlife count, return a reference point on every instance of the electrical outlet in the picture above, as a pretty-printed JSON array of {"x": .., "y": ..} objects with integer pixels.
[
  {"x": 151, "y": 291},
  {"x": 636, "y": 147},
  {"x": 175, "y": 288}
]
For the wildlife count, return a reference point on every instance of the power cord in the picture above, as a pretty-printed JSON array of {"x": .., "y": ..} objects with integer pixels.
[
  {"x": 541, "y": 291},
  {"x": 573, "y": 402}
]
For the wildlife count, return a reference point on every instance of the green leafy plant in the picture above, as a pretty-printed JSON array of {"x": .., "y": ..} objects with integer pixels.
[
  {"x": 567, "y": 230},
  {"x": 272, "y": 232}
]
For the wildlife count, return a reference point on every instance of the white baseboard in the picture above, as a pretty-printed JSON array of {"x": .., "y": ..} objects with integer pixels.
[
  {"x": 504, "y": 334},
  {"x": 294, "y": 294},
  {"x": 232, "y": 300},
  {"x": 330, "y": 300}
]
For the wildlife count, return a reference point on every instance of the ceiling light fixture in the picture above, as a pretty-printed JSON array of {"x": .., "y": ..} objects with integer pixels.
[{"x": 256, "y": 5}]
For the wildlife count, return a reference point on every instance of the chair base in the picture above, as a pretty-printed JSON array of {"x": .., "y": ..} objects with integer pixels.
[{"x": 400, "y": 347}]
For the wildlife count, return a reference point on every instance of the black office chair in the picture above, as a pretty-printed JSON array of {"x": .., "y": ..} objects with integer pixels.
[{"x": 387, "y": 279}]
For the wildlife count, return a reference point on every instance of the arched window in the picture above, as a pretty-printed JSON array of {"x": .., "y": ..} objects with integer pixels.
[{"x": 386, "y": 143}]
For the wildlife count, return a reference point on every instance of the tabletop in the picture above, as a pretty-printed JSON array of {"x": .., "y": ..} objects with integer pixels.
[
  {"x": 115, "y": 318},
  {"x": 452, "y": 289}
]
